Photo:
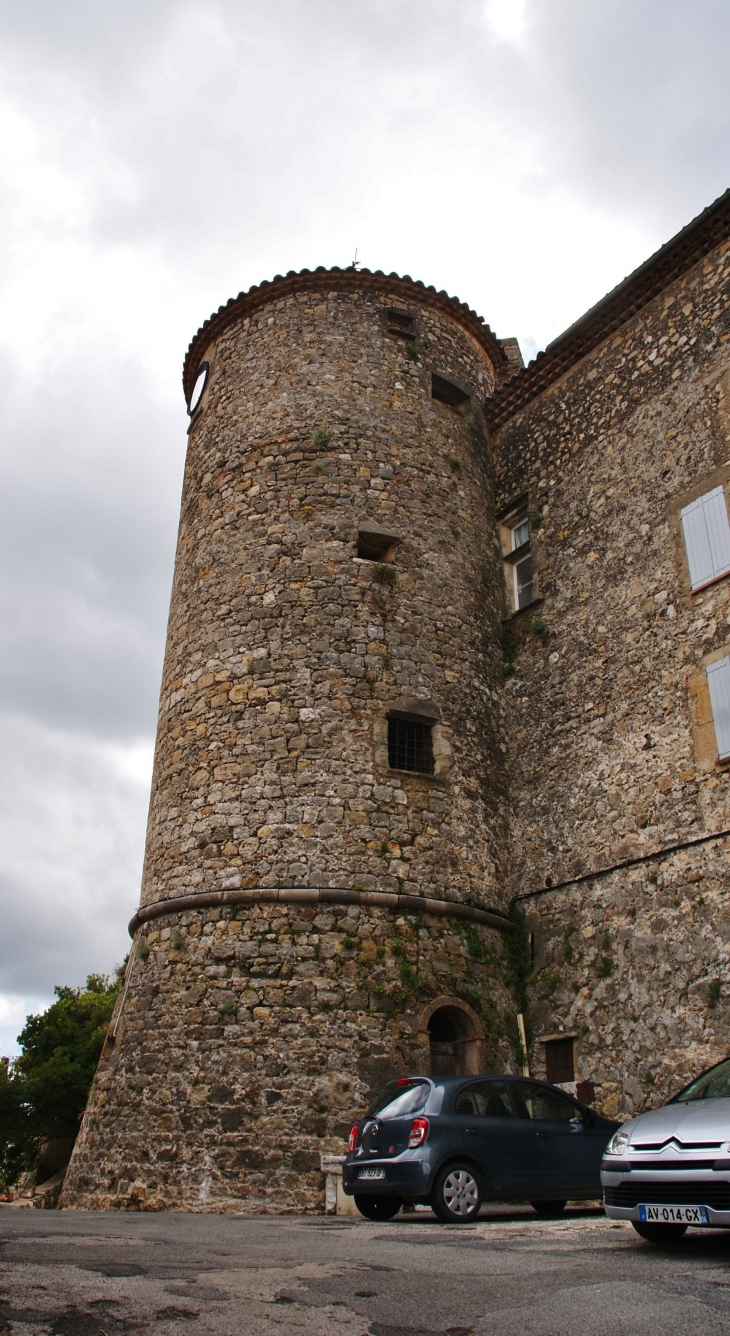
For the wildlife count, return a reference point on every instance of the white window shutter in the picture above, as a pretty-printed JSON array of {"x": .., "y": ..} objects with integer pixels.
[
  {"x": 697, "y": 543},
  {"x": 718, "y": 680},
  {"x": 718, "y": 529},
  {"x": 706, "y": 537}
]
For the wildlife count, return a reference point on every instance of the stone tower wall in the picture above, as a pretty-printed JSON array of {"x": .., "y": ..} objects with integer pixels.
[
  {"x": 295, "y": 926},
  {"x": 612, "y": 751}
]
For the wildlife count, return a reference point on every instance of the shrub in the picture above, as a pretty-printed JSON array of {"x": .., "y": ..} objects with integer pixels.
[
  {"x": 384, "y": 574},
  {"x": 320, "y": 436}
]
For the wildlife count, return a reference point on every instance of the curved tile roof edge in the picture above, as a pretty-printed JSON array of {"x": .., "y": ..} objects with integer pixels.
[
  {"x": 285, "y": 284},
  {"x": 707, "y": 231}
]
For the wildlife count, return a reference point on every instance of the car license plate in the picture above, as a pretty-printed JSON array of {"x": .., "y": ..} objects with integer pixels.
[
  {"x": 674, "y": 1215},
  {"x": 371, "y": 1173}
]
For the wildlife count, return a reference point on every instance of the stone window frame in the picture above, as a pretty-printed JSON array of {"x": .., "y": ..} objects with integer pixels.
[
  {"x": 719, "y": 477},
  {"x": 508, "y": 520},
  {"x": 423, "y": 712},
  {"x": 394, "y": 324}
]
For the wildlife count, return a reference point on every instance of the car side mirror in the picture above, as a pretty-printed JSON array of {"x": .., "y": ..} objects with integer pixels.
[{"x": 590, "y": 1116}]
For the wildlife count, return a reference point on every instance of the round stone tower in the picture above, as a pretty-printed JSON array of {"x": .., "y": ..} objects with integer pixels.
[{"x": 322, "y": 903}]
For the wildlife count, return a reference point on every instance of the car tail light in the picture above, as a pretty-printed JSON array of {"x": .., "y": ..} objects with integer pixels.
[
  {"x": 419, "y": 1132},
  {"x": 352, "y": 1143}
]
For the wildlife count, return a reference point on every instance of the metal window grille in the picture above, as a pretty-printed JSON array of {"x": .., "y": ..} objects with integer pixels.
[{"x": 410, "y": 746}]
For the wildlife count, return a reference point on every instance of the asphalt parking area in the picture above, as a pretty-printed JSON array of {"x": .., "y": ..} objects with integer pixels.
[{"x": 81, "y": 1274}]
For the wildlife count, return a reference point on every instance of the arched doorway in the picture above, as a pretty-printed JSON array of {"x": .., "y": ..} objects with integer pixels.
[{"x": 454, "y": 1038}]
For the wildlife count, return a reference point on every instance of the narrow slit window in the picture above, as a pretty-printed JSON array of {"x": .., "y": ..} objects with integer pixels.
[
  {"x": 410, "y": 746},
  {"x": 718, "y": 680},
  {"x": 706, "y": 537},
  {"x": 446, "y": 392},
  {"x": 559, "y": 1061}
]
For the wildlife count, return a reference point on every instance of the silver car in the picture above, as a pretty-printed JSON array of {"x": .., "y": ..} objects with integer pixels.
[{"x": 670, "y": 1168}]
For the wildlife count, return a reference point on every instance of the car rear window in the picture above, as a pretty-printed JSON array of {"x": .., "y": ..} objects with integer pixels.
[
  {"x": 396, "y": 1101},
  {"x": 715, "y": 1084}
]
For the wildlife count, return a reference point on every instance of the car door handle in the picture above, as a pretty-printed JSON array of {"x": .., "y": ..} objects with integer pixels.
[
  {"x": 473, "y": 1131},
  {"x": 546, "y": 1136}
]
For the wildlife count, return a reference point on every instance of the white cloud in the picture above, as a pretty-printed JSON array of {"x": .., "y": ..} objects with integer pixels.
[{"x": 507, "y": 19}]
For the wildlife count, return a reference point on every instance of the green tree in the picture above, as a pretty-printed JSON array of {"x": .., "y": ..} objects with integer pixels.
[{"x": 43, "y": 1092}]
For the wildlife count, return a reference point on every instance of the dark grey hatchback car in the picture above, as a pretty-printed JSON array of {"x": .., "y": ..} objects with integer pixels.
[{"x": 453, "y": 1142}]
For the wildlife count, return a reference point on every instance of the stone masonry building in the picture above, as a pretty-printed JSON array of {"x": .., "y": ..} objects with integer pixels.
[{"x": 444, "y": 731}]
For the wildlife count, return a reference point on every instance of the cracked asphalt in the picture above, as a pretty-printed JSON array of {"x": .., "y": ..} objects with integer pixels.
[{"x": 74, "y": 1273}]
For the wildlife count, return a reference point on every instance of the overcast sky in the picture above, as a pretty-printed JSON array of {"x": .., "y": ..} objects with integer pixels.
[{"x": 159, "y": 156}]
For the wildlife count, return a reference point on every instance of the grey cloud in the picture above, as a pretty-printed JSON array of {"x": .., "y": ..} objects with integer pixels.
[
  {"x": 88, "y": 511},
  {"x": 71, "y": 831}
]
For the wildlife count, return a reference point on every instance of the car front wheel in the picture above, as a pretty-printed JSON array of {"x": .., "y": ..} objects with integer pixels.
[
  {"x": 456, "y": 1196},
  {"x": 378, "y": 1208},
  {"x": 659, "y": 1233}
]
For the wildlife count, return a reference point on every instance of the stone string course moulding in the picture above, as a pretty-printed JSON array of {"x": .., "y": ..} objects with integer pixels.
[{"x": 305, "y": 908}]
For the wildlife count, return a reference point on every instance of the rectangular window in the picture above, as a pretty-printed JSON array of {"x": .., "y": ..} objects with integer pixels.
[
  {"x": 706, "y": 537},
  {"x": 410, "y": 746},
  {"x": 559, "y": 1064},
  {"x": 524, "y": 580},
  {"x": 446, "y": 392},
  {"x": 718, "y": 680},
  {"x": 374, "y": 545},
  {"x": 400, "y": 323}
]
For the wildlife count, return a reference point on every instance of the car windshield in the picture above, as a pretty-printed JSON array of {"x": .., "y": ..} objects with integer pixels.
[
  {"x": 398, "y": 1100},
  {"x": 715, "y": 1084}
]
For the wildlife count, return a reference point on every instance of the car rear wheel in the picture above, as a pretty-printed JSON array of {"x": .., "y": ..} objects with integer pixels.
[
  {"x": 456, "y": 1196},
  {"x": 549, "y": 1209},
  {"x": 377, "y": 1208},
  {"x": 659, "y": 1233}
]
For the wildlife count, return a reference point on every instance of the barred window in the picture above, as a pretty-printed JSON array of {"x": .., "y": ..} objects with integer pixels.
[{"x": 410, "y": 746}]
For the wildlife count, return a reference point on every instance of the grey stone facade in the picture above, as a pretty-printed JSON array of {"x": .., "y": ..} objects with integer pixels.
[{"x": 308, "y": 913}]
